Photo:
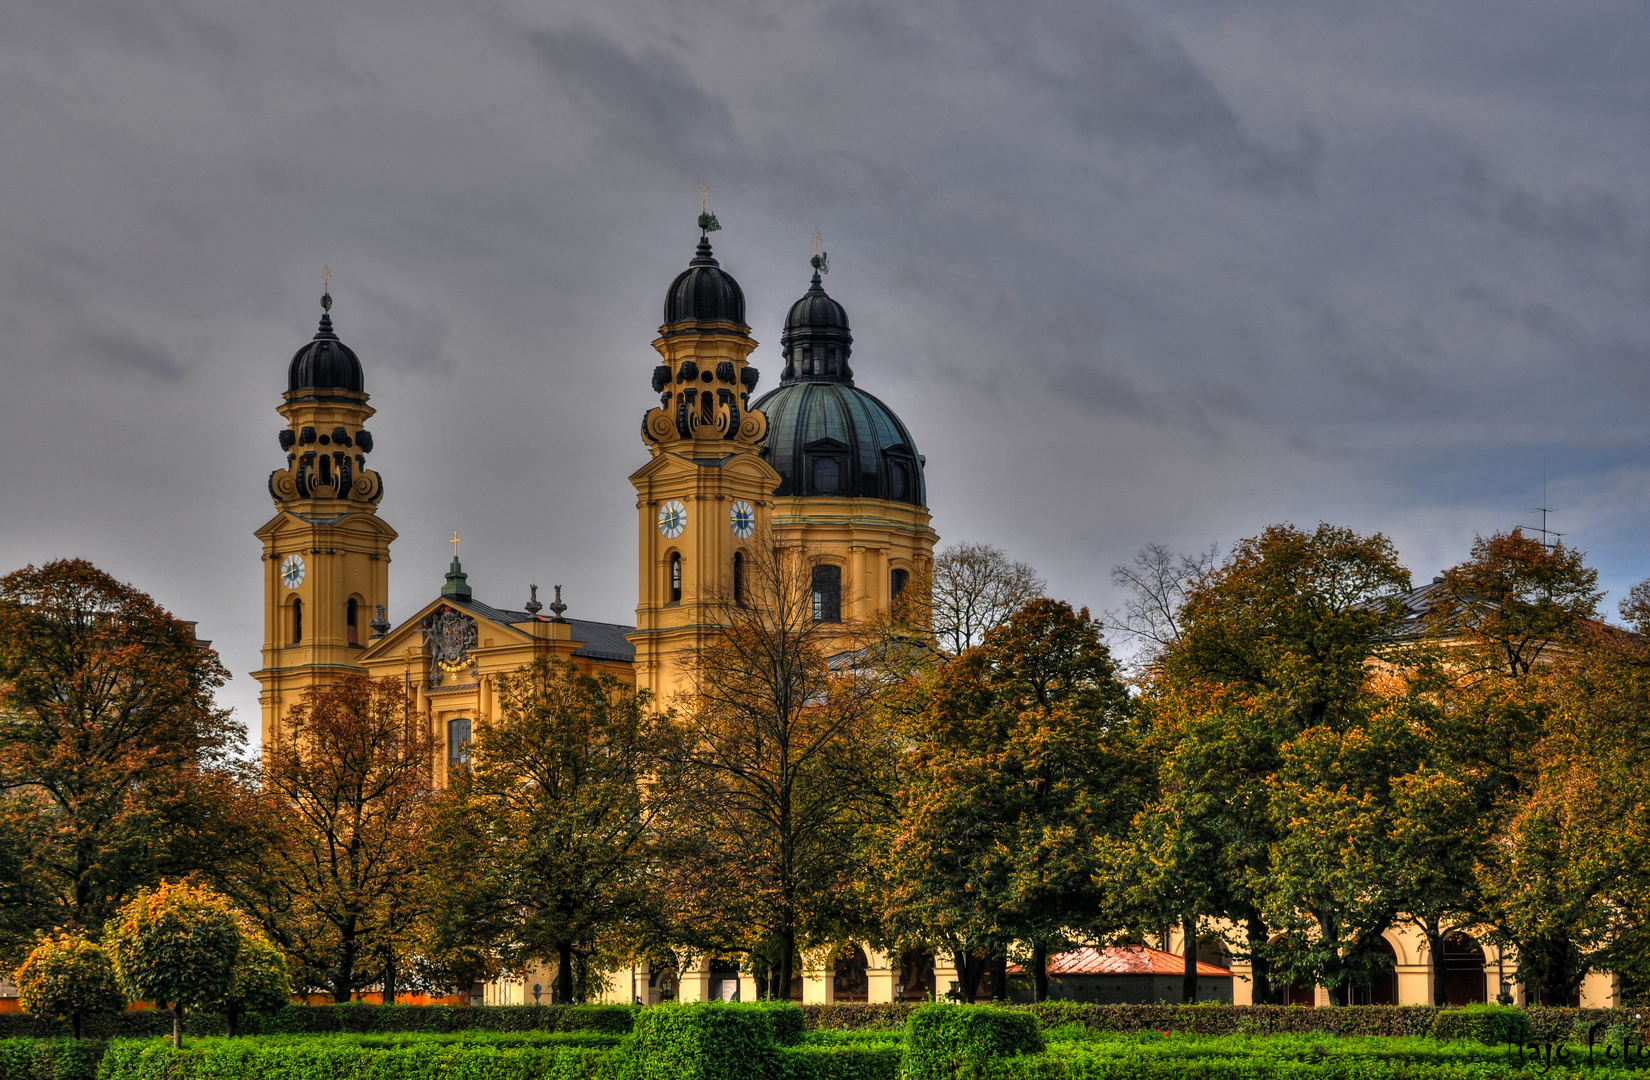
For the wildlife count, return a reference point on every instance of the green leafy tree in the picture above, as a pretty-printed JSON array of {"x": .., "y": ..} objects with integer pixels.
[
  {"x": 67, "y": 975},
  {"x": 177, "y": 943},
  {"x": 260, "y": 982},
  {"x": 116, "y": 765},
  {"x": 1021, "y": 757},
  {"x": 1273, "y": 643},
  {"x": 563, "y": 786}
]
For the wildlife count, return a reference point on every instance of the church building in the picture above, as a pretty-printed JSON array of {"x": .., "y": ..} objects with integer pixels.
[{"x": 817, "y": 465}]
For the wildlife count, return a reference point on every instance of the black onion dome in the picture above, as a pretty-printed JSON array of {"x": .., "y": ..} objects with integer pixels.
[
  {"x": 704, "y": 292},
  {"x": 830, "y": 439},
  {"x": 325, "y": 363},
  {"x": 816, "y": 342}
]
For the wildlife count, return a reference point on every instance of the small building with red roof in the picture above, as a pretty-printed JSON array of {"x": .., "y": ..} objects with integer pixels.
[{"x": 1122, "y": 975}]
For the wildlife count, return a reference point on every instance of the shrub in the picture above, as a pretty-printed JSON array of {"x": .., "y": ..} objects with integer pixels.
[
  {"x": 66, "y": 975},
  {"x": 50, "y": 1059},
  {"x": 711, "y": 1040},
  {"x": 1489, "y": 1024},
  {"x": 837, "y": 1063},
  {"x": 857, "y": 1014},
  {"x": 336, "y": 1019},
  {"x": 178, "y": 944},
  {"x": 259, "y": 982},
  {"x": 946, "y": 1041}
]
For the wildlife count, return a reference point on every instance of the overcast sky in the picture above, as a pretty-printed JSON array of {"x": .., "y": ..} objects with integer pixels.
[{"x": 1130, "y": 272}]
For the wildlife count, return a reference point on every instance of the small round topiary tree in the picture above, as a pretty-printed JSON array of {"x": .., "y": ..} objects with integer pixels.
[
  {"x": 66, "y": 974},
  {"x": 260, "y": 982},
  {"x": 178, "y": 943}
]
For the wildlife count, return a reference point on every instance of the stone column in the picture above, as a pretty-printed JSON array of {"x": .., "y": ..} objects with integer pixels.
[
  {"x": 694, "y": 984},
  {"x": 818, "y": 978},
  {"x": 879, "y": 977}
]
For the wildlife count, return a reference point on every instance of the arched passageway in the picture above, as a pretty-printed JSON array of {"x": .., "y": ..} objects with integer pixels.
[
  {"x": 1463, "y": 961},
  {"x": 851, "y": 982},
  {"x": 1382, "y": 988}
]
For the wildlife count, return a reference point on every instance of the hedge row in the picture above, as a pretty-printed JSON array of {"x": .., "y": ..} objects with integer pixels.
[
  {"x": 1545, "y": 1023},
  {"x": 331, "y": 1019},
  {"x": 323, "y": 1059},
  {"x": 50, "y": 1059},
  {"x": 1079, "y": 1067}
]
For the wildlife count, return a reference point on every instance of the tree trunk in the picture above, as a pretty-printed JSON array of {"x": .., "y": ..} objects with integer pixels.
[
  {"x": 787, "y": 962},
  {"x": 177, "y": 1026},
  {"x": 389, "y": 977},
  {"x": 232, "y": 1022},
  {"x": 1188, "y": 953},
  {"x": 1039, "y": 971},
  {"x": 1440, "y": 976},
  {"x": 564, "y": 972},
  {"x": 1260, "y": 968},
  {"x": 74, "y": 1024},
  {"x": 999, "y": 973},
  {"x": 344, "y": 978},
  {"x": 969, "y": 969}
]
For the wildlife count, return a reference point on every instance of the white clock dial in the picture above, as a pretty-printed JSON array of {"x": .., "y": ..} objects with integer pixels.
[
  {"x": 672, "y": 519},
  {"x": 743, "y": 519},
  {"x": 292, "y": 571}
]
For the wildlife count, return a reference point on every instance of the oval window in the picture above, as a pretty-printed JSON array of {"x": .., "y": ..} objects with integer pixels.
[{"x": 826, "y": 475}]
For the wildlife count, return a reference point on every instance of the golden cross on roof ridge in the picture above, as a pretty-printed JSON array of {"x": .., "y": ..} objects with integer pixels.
[
  {"x": 455, "y": 541},
  {"x": 704, "y": 198}
]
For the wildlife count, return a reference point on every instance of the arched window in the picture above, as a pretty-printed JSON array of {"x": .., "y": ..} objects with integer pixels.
[
  {"x": 675, "y": 577},
  {"x": 898, "y": 479},
  {"x": 351, "y": 621},
  {"x": 896, "y": 583},
  {"x": 739, "y": 578},
  {"x": 827, "y": 593},
  {"x": 297, "y": 621},
  {"x": 458, "y": 741},
  {"x": 326, "y": 469}
]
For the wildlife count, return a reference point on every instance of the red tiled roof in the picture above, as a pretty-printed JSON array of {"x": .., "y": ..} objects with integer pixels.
[{"x": 1123, "y": 960}]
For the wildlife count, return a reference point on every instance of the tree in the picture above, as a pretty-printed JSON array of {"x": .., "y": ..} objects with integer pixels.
[
  {"x": 177, "y": 943},
  {"x": 782, "y": 759},
  {"x": 347, "y": 796},
  {"x": 1511, "y": 601},
  {"x": 1020, "y": 759},
  {"x": 564, "y": 786},
  {"x": 1155, "y": 589},
  {"x": 1272, "y": 644},
  {"x": 116, "y": 766},
  {"x": 970, "y": 589},
  {"x": 259, "y": 982},
  {"x": 66, "y": 974}
]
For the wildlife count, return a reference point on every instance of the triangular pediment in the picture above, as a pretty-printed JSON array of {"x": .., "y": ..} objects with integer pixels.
[{"x": 410, "y": 634}]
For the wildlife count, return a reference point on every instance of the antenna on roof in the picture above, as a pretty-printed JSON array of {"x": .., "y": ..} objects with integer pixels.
[{"x": 1543, "y": 510}]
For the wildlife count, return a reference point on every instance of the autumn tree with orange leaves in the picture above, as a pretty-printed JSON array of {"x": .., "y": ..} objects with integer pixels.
[{"x": 117, "y": 767}]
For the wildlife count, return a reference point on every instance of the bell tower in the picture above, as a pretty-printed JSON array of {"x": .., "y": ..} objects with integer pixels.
[
  {"x": 326, "y": 553},
  {"x": 706, "y": 494}
]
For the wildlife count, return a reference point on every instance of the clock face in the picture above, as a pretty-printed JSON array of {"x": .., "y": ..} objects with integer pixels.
[
  {"x": 744, "y": 520},
  {"x": 672, "y": 519},
  {"x": 292, "y": 571}
]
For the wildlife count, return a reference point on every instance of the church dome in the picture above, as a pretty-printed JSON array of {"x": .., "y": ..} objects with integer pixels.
[
  {"x": 704, "y": 292},
  {"x": 325, "y": 363},
  {"x": 827, "y": 437}
]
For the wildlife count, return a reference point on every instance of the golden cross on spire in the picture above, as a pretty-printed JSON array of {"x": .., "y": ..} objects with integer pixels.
[
  {"x": 455, "y": 541},
  {"x": 817, "y": 238},
  {"x": 704, "y": 198},
  {"x": 326, "y": 276}
]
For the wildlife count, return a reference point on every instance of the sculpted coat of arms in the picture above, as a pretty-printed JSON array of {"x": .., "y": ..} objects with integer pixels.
[{"x": 449, "y": 636}]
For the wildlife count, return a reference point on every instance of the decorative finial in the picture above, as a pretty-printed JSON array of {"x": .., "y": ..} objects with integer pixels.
[
  {"x": 557, "y": 607},
  {"x": 707, "y": 220},
  {"x": 455, "y": 541},
  {"x": 533, "y": 606},
  {"x": 819, "y": 261},
  {"x": 380, "y": 622},
  {"x": 326, "y": 291}
]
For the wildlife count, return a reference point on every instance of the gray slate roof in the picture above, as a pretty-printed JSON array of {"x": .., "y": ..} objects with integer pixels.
[{"x": 602, "y": 641}]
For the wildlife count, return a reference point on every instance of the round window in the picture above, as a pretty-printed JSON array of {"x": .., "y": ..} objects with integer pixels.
[{"x": 827, "y": 473}]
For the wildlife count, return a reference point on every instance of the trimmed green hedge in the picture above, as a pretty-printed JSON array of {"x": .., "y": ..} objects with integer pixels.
[
  {"x": 1489, "y": 1024},
  {"x": 331, "y": 1019},
  {"x": 50, "y": 1059},
  {"x": 943, "y": 1042},
  {"x": 336, "y": 1059},
  {"x": 712, "y": 1040},
  {"x": 845, "y": 1062}
]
